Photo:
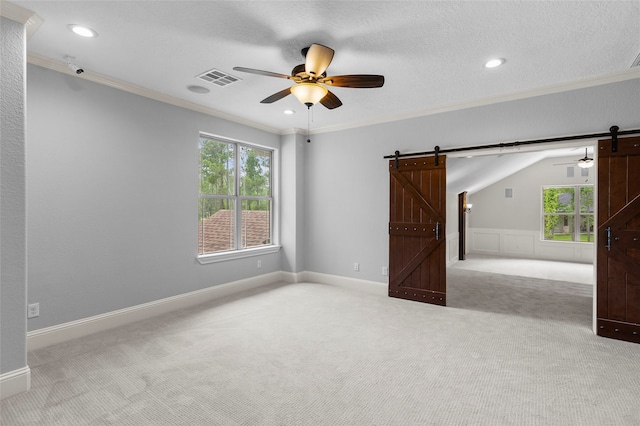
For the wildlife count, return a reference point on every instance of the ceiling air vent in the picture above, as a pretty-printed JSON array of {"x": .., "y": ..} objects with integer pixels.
[
  {"x": 636, "y": 63},
  {"x": 218, "y": 77}
]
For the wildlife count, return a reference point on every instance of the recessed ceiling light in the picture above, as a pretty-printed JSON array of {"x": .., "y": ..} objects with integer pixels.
[
  {"x": 198, "y": 89},
  {"x": 289, "y": 111},
  {"x": 82, "y": 31},
  {"x": 493, "y": 63}
]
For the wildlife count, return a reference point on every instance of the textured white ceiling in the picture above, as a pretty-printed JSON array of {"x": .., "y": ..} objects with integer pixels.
[{"x": 430, "y": 52}]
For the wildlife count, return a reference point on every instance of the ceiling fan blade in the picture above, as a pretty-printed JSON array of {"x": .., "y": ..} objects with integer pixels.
[
  {"x": 354, "y": 81},
  {"x": 318, "y": 59},
  {"x": 276, "y": 96},
  {"x": 330, "y": 101},
  {"x": 260, "y": 72}
]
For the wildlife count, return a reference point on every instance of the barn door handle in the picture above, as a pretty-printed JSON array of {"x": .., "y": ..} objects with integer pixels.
[
  {"x": 608, "y": 246},
  {"x": 437, "y": 229}
]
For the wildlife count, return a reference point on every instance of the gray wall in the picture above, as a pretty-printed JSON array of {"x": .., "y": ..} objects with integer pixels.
[
  {"x": 492, "y": 210},
  {"x": 503, "y": 226},
  {"x": 112, "y": 199},
  {"x": 347, "y": 179},
  {"x": 292, "y": 217},
  {"x": 112, "y": 188},
  {"x": 13, "y": 278}
]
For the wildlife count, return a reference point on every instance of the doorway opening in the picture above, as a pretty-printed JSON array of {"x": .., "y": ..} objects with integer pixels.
[{"x": 499, "y": 260}]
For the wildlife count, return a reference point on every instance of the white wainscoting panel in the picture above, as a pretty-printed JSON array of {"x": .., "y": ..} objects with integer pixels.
[
  {"x": 527, "y": 244},
  {"x": 518, "y": 243},
  {"x": 485, "y": 241}
]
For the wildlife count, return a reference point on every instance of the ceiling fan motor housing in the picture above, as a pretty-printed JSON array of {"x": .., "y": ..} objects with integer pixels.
[{"x": 299, "y": 71}]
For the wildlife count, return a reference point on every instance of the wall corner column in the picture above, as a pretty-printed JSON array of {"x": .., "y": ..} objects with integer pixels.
[{"x": 14, "y": 373}]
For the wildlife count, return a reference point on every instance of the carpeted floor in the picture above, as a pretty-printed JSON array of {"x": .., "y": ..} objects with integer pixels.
[
  {"x": 507, "y": 351},
  {"x": 535, "y": 268}
]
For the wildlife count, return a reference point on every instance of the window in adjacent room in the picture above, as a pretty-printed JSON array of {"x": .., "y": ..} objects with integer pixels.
[
  {"x": 235, "y": 202},
  {"x": 568, "y": 213}
]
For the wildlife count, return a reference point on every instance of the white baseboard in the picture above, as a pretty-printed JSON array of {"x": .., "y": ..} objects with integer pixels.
[
  {"x": 15, "y": 382},
  {"x": 350, "y": 283},
  {"x": 48, "y": 336},
  {"x": 293, "y": 277},
  {"x": 83, "y": 327}
]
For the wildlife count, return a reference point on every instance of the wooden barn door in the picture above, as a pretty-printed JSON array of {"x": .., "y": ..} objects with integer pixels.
[
  {"x": 417, "y": 248},
  {"x": 618, "y": 255}
]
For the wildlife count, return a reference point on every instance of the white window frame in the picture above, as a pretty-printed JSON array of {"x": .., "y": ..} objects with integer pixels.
[
  {"x": 576, "y": 214},
  {"x": 239, "y": 252}
]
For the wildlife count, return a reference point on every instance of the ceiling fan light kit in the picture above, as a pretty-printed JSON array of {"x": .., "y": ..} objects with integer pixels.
[
  {"x": 310, "y": 79},
  {"x": 309, "y": 93},
  {"x": 585, "y": 162},
  {"x": 318, "y": 58}
]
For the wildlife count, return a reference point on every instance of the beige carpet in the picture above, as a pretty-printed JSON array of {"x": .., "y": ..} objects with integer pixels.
[{"x": 311, "y": 354}]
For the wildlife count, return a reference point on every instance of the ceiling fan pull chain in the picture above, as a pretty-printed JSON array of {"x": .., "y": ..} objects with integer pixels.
[{"x": 308, "y": 122}]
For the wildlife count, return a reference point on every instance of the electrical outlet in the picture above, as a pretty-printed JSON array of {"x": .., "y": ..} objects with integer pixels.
[
  {"x": 259, "y": 264},
  {"x": 385, "y": 271},
  {"x": 356, "y": 267},
  {"x": 33, "y": 310}
]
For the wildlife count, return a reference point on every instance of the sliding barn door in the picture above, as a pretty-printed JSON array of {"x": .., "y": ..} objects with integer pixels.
[
  {"x": 417, "y": 248},
  {"x": 618, "y": 255}
]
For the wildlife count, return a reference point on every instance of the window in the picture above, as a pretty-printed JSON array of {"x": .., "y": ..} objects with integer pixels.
[
  {"x": 568, "y": 213},
  {"x": 235, "y": 202}
]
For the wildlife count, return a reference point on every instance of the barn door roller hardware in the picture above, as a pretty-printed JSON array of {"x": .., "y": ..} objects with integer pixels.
[
  {"x": 614, "y": 138},
  {"x": 613, "y": 133}
]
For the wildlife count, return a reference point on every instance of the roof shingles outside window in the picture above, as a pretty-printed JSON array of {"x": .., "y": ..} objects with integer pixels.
[{"x": 215, "y": 233}]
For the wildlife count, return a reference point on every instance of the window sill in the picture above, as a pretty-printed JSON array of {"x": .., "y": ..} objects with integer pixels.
[{"x": 237, "y": 254}]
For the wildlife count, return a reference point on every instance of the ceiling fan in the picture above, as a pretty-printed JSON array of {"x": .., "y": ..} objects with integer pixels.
[
  {"x": 584, "y": 163},
  {"x": 311, "y": 79}
]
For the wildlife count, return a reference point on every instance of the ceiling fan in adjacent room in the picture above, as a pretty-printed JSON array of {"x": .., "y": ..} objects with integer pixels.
[
  {"x": 584, "y": 163},
  {"x": 311, "y": 79}
]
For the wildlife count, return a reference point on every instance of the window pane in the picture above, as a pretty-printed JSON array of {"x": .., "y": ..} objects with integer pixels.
[
  {"x": 586, "y": 199},
  {"x": 586, "y": 228},
  {"x": 558, "y": 200},
  {"x": 256, "y": 223},
  {"x": 216, "y": 225},
  {"x": 255, "y": 172},
  {"x": 217, "y": 167},
  {"x": 558, "y": 227}
]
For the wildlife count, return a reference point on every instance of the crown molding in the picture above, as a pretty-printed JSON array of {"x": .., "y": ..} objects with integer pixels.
[
  {"x": 29, "y": 19},
  {"x": 60, "y": 66},
  {"x": 630, "y": 74}
]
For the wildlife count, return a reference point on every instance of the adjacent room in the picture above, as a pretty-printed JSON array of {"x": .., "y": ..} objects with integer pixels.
[
  {"x": 206, "y": 206},
  {"x": 511, "y": 231}
]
